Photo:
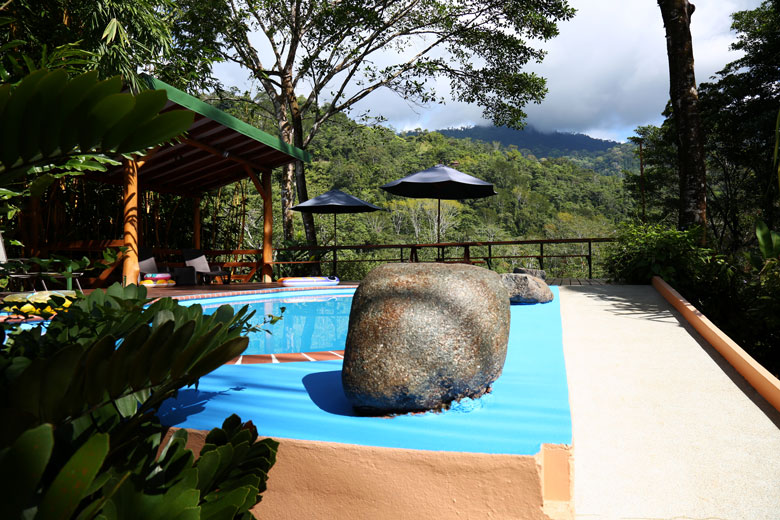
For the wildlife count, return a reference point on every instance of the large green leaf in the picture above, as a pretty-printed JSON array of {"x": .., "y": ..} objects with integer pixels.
[
  {"x": 768, "y": 241},
  {"x": 163, "y": 358},
  {"x": 13, "y": 116},
  {"x": 103, "y": 116},
  {"x": 219, "y": 356},
  {"x": 82, "y": 115},
  {"x": 72, "y": 482},
  {"x": 49, "y": 129},
  {"x": 30, "y": 144},
  {"x": 59, "y": 375},
  {"x": 21, "y": 469},
  {"x": 161, "y": 129},
  {"x": 147, "y": 104},
  {"x": 47, "y": 118}
]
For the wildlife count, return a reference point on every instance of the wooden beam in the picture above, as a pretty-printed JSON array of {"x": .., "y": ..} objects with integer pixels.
[
  {"x": 130, "y": 269},
  {"x": 222, "y": 153}
]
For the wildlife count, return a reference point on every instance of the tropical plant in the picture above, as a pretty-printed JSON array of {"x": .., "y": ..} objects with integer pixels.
[
  {"x": 86, "y": 391},
  {"x": 78, "y": 395}
]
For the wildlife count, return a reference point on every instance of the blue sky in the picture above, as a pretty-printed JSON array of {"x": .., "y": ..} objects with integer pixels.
[{"x": 606, "y": 72}]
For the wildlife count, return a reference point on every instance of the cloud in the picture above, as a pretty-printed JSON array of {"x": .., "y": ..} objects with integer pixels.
[{"x": 607, "y": 71}]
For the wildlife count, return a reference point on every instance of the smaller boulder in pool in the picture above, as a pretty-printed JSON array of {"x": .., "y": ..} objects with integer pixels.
[
  {"x": 524, "y": 288},
  {"x": 539, "y": 273},
  {"x": 423, "y": 335}
]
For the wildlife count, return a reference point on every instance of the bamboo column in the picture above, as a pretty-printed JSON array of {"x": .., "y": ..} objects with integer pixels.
[
  {"x": 130, "y": 269},
  {"x": 196, "y": 222},
  {"x": 268, "y": 230}
]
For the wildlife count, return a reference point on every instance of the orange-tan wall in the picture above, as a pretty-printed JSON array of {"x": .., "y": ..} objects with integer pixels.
[{"x": 313, "y": 480}]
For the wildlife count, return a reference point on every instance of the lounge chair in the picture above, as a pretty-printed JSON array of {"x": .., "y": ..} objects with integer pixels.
[
  {"x": 18, "y": 270},
  {"x": 195, "y": 258},
  {"x": 147, "y": 264}
]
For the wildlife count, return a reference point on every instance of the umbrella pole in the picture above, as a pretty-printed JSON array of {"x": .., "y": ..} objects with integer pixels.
[
  {"x": 438, "y": 229},
  {"x": 334, "y": 245}
]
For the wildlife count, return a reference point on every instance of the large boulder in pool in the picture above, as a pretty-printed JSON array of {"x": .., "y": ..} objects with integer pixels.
[{"x": 423, "y": 335}]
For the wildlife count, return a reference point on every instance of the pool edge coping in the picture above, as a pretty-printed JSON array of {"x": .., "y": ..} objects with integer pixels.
[{"x": 754, "y": 373}]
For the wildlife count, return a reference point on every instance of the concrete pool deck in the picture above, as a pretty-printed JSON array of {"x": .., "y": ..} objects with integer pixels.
[{"x": 663, "y": 427}]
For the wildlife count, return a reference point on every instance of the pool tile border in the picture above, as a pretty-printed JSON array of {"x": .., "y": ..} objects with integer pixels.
[
  {"x": 288, "y": 357},
  {"x": 227, "y": 294}
]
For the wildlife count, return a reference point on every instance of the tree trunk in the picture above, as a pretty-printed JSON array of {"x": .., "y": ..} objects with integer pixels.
[
  {"x": 296, "y": 118},
  {"x": 288, "y": 174},
  {"x": 685, "y": 99}
]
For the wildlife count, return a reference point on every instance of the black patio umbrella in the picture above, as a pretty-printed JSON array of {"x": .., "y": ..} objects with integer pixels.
[
  {"x": 440, "y": 182},
  {"x": 335, "y": 201}
]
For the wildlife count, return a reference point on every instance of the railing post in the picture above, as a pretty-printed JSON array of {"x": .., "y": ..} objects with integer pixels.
[
  {"x": 466, "y": 255},
  {"x": 590, "y": 260},
  {"x": 490, "y": 256},
  {"x": 541, "y": 256},
  {"x": 402, "y": 254}
]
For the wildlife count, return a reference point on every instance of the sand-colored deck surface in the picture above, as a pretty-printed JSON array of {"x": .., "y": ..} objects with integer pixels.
[{"x": 663, "y": 427}]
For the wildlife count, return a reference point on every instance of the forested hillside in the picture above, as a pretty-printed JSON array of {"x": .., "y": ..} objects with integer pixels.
[{"x": 537, "y": 197}]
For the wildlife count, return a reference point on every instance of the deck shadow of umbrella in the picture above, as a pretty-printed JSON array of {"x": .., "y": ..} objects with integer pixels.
[
  {"x": 440, "y": 182},
  {"x": 335, "y": 201}
]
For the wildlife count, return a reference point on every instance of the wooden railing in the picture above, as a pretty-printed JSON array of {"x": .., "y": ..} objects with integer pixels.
[
  {"x": 464, "y": 252},
  {"x": 246, "y": 263}
]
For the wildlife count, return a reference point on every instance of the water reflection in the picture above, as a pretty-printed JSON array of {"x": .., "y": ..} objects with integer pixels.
[{"x": 308, "y": 324}]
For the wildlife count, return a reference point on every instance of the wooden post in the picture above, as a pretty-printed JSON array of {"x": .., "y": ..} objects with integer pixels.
[
  {"x": 268, "y": 229},
  {"x": 590, "y": 259},
  {"x": 196, "y": 223},
  {"x": 130, "y": 269},
  {"x": 267, "y": 269}
]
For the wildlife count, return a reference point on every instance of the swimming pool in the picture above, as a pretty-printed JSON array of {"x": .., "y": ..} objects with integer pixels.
[
  {"x": 528, "y": 405},
  {"x": 312, "y": 321}
]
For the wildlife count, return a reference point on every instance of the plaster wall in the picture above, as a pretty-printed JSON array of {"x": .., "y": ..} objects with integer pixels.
[{"x": 313, "y": 480}]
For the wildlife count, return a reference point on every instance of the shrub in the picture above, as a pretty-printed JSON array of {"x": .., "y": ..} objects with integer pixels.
[{"x": 646, "y": 250}]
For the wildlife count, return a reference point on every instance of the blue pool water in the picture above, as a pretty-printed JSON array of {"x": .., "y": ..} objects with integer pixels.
[
  {"x": 528, "y": 406},
  {"x": 311, "y": 321}
]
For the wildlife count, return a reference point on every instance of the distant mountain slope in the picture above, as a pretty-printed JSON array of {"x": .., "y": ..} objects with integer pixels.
[
  {"x": 602, "y": 156},
  {"x": 556, "y": 144}
]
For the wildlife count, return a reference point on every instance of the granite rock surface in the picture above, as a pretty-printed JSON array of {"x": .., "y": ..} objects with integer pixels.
[
  {"x": 524, "y": 288},
  {"x": 539, "y": 273},
  {"x": 423, "y": 335}
]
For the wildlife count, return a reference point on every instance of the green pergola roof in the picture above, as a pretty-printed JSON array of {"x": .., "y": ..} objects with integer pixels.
[
  {"x": 201, "y": 107},
  {"x": 215, "y": 151}
]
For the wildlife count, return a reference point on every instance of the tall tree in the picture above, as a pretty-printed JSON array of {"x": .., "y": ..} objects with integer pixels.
[
  {"x": 316, "y": 59},
  {"x": 685, "y": 105},
  {"x": 740, "y": 107}
]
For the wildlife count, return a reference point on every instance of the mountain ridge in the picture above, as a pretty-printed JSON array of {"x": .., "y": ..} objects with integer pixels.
[{"x": 540, "y": 144}]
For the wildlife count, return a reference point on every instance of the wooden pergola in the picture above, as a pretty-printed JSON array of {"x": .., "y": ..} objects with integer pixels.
[{"x": 217, "y": 150}]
